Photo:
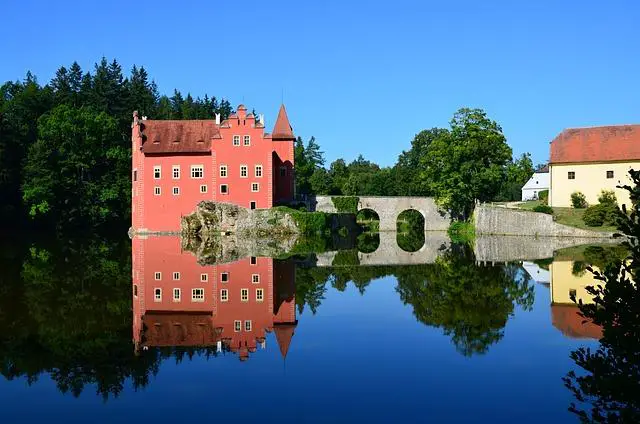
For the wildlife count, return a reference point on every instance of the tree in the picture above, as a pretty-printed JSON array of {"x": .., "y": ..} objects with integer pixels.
[
  {"x": 518, "y": 172},
  {"x": 307, "y": 159},
  {"x": 467, "y": 164},
  {"x": 408, "y": 182}
]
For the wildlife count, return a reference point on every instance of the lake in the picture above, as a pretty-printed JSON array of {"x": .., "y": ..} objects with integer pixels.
[{"x": 131, "y": 330}]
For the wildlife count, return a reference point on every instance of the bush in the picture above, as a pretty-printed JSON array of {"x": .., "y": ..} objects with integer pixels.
[
  {"x": 607, "y": 197},
  {"x": 601, "y": 214},
  {"x": 543, "y": 196},
  {"x": 543, "y": 209},
  {"x": 346, "y": 204},
  {"x": 578, "y": 200}
]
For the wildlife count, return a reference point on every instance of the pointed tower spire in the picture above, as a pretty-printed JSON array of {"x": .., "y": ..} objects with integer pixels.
[
  {"x": 282, "y": 130},
  {"x": 284, "y": 334}
]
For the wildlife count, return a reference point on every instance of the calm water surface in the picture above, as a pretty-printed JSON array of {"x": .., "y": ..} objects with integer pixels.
[{"x": 87, "y": 336}]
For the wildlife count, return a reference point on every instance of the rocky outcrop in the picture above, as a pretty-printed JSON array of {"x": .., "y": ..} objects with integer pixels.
[{"x": 212, "y": 218}]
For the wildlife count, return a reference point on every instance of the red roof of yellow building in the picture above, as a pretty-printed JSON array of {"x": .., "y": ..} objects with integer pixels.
[{"x": 596, "y": 144}]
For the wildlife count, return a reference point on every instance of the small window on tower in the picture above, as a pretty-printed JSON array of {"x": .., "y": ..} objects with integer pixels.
[
  {"x": 283, "y": 171},
  {"x": 135, "y": 175}
]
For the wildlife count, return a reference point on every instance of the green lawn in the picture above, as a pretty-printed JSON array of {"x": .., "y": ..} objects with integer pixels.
[{"x": 567, "y": 216}]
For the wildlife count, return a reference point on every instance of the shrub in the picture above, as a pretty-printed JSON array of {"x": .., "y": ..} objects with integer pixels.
[
  {"x": 543, "y": 196},
  {"x": 543, "y": 209},
  {"x": 578, "y": 200},
  {"x": 607, "y": 197},
  {"x": 462, "y": 232},
  {"x": 346, "y": 204},
  {"x": 594, "y": 216}
]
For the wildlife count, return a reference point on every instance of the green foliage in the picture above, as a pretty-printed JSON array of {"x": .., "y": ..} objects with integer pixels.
[
  {"x": 466, "y": 164},
  {"x": 543, "y": 196},
  {"x": 602, "y": 214},
  {"x": 578, "y": 200},
  {"x": 606, "y": 390},
  {"x": 463, "y": 232},
  {"x": 608, "y": 197},
  {"x": 346, "y": 204},
  {"x": 543, "y": 209},
  {"x": 308, "y": 159},
  {"x": 346, "y": 258},
  {"x": 518, "y": 172},
  {"x": 410, "y": 230},
  {"x": 368, "y": 242},
  {"x": 544, "y": 263}
]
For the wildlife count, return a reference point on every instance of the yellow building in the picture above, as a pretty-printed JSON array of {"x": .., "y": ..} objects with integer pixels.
[{"x": 590, "y": 160}]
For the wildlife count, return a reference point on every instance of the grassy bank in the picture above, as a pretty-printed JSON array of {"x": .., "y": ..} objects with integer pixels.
[
  {"x": 462, "y": 232},
  {"x": 567, "y": 216}
]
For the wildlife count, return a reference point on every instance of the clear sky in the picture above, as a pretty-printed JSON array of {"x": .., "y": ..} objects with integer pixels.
[{"x": 360, "y": 76}]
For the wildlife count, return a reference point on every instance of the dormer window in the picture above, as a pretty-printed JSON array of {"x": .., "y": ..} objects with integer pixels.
[{"x": 156, "y": 141}]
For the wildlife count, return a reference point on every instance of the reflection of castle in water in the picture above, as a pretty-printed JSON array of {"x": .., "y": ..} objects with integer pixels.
[{"x": 177, "y": 302}]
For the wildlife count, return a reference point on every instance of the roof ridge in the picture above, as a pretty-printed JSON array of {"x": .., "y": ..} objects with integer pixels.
[{"x": 601, "y": 126}]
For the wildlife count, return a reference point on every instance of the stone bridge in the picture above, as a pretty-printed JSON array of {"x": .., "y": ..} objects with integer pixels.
[{"x": 388, "y": 209}]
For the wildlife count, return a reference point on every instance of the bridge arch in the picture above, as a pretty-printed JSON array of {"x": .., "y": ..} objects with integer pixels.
[{"x": 410, "y": 230}]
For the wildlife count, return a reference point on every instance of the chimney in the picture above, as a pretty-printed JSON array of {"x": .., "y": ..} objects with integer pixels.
[
  {"x": 135, "y": 119},
  {"x": 262, "y": 119},
  {"x": 217, "y": 119}
]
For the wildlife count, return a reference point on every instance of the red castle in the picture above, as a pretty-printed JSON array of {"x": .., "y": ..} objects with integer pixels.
[{"x": 177, "y": 164}]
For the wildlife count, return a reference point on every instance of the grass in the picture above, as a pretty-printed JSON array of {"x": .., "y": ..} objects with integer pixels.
[
  {"x": 567, "y": 216},
  {"x": 462, "y": 232}
]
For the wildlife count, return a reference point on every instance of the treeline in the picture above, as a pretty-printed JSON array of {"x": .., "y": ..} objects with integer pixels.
[
  {"x": 469, "y": 161},
  {"x": 65, "y": 146}
]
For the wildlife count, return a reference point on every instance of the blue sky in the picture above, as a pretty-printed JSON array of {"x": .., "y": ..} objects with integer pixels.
[{"x": 360, "y": 76}]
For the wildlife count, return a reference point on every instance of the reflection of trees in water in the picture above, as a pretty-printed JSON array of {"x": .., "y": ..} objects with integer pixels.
[
  {"x": 70, "y": 316},
  {"x": 368, "y": 242},
  {"x": 471, "y": 303},
  {"x": 607, "y": 390},
  {"x": 410, "y": 230}
]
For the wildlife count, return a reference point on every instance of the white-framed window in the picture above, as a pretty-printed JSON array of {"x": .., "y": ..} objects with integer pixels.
[
  {"x": 224, "y": 189},
  {"x": 203, "y": 188},
  {"x": 258, "y": 171},
  {"x": 197, "y": 171},
  {"x": 197, "y": 295},
  {"x": 255, "y": 187},
  {"x": 176, "y": 191},
  {"x": 156, "y": 191},
  {"x": 223, "y": 171},
  {"x": 259, "y": 295},
  {"x": 204, "y": 277},
  {"x": 224, "y": 295},
  {"x": 244, "y": 173},
  {"x": 176, "y": 294},
  {"x": 255, "y": 278},
  {"x": 224, "y": 277},
  {"x": 157, "y": 172},
  {"x": 244, "y": 295},
  {"x": 236, "y": 140},
  {"x": 175, "y": 173},
  {"x": 176, "y": 276},
  {"x": 157, "y": 276},
  {"x": 283, "y": 171},
  {"x": 253, "y": 260},
  {"x": 247, "y": 325},
  {"x": 247, "y": 140},
  {"x": 237, "y": 325},
  {"x": 157, "y": 294}
]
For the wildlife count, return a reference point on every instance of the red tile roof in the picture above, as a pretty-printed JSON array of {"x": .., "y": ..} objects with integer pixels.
[
  {"x": 282, "y": 130},
  {"x": 178, "y": 136},
  {"x": 568, "y": 320},
  {"x": 596, "y": 144}
]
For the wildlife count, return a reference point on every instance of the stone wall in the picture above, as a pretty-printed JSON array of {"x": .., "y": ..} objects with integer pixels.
[{"x": 515, "y": 222}]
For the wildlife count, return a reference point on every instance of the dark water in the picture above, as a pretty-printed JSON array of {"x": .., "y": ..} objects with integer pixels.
[{"x": 448, "y": 341}]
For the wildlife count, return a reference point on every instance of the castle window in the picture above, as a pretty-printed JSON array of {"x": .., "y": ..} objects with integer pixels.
[
  {"x": 156, "y": 191},
  {"x": 255, "y": 278},
  {"x": 158, "y": 276},
  {"x": 237, "y": 325},
  {"x": 571, "y": 175},
  {"x": 176, "y": 172},
  {"x": 197, "y": 171},
  {"x": 224, "y": 295},
  {"x": 197, "y": 295},
  {"x": 247, "y": 140},
  {"x": 203, "y": 188},
  {"x": 204, "y": 277},
  {"x": 224, "y": 277},
  {"x": 135, "y": 290},
  {"x": 259, "y": 295},
  {"x": 135, "y": 175},
  {"x": 244, "y": 295},
  {"x": 283, "y": 171},
  {"x": 247, "y": 325},
  {"x": 255, "y": 187},
  {"x": 252, "y": 205},
  {"x": 176, "y": 191},
  {"x": 609, "y": 174},
  {"x": 223, "y": 171},
  {"x": 258, "y": 171},
  {"x": 176, "y": 276},
  {"x": 176, "y": 295},
  {"x": 243, "y": 171},
  {"x": 253, "y": 260},
  {"x": 572, "y": 294},
  {"x": 157, "y": 172},
  {"x": 224, "y": 189},
  {"x": 236, "y": 140},
  {"x": 157, "y": 295}
]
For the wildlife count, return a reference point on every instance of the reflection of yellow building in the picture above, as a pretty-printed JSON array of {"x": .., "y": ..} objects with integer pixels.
[
  {"x": 590, "y": 160},
  {"x": 565, "y": 314}
]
